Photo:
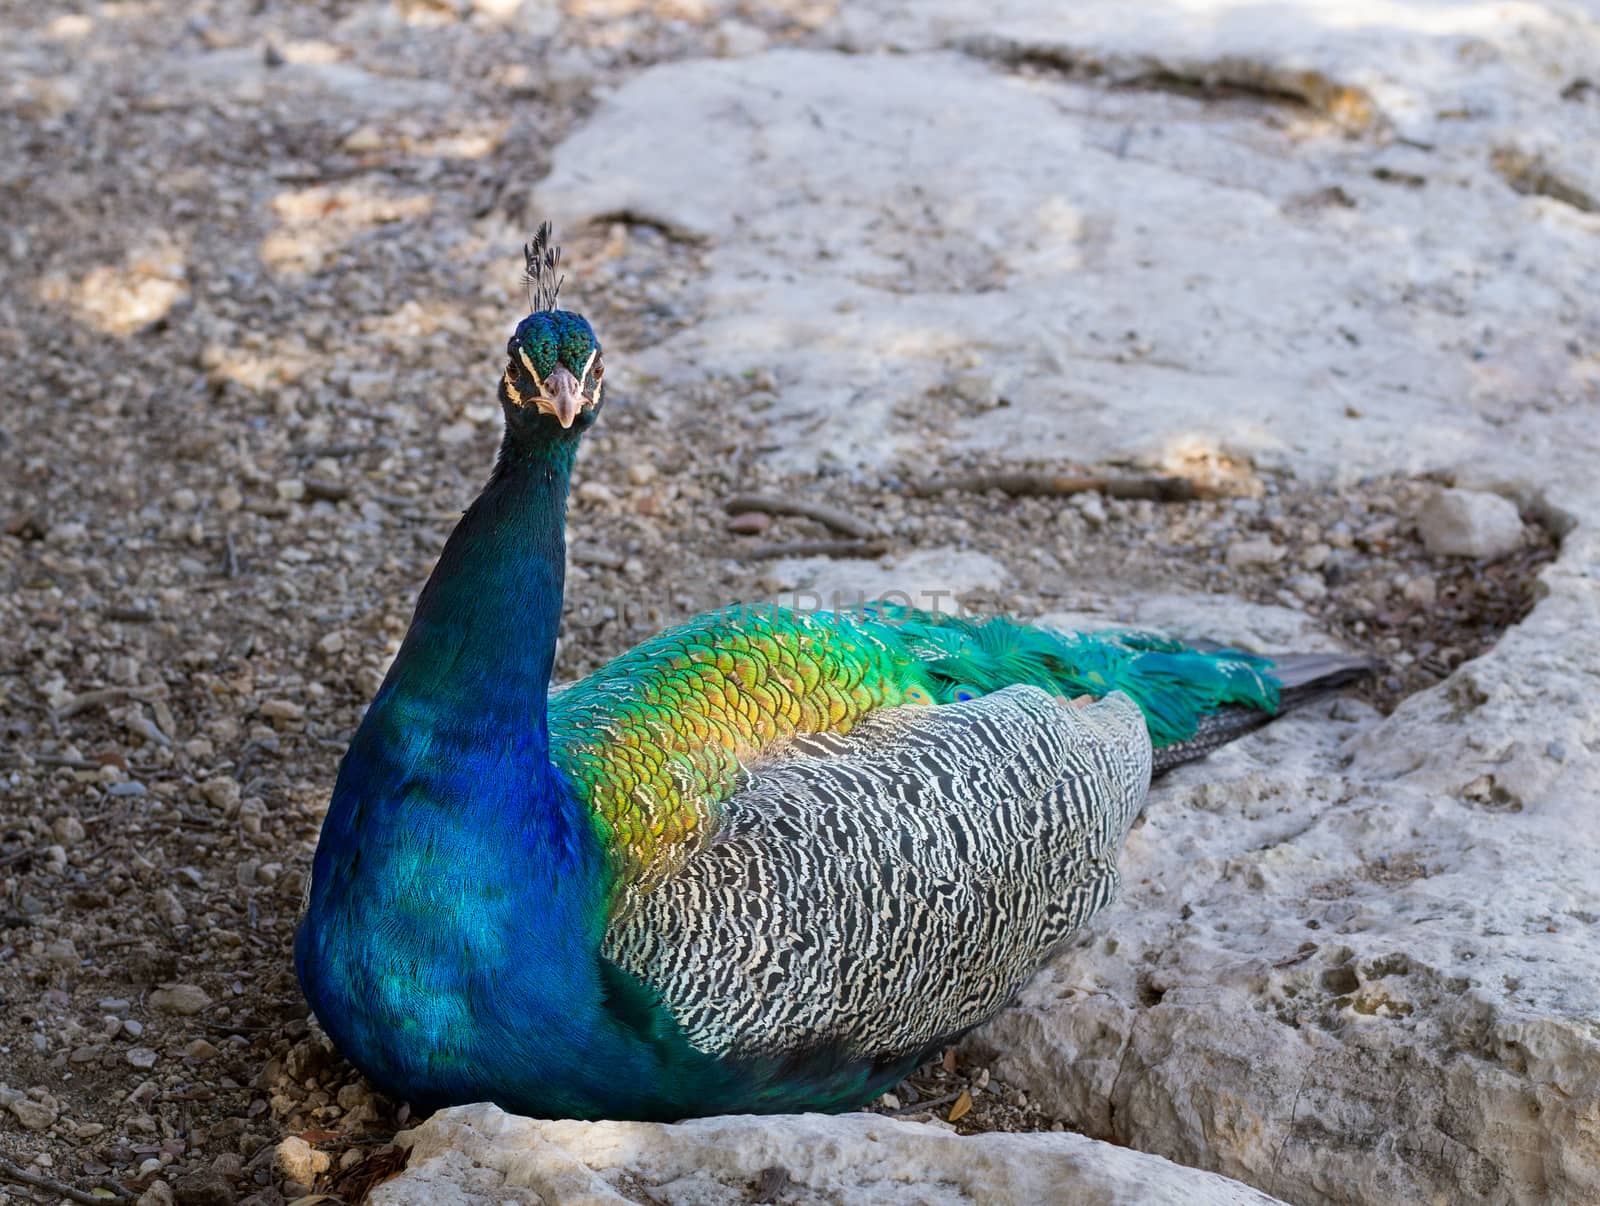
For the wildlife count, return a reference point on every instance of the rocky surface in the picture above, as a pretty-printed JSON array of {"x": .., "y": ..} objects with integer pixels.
[
  {"x": 1355, "y": 959},
  {"x": 478, "y": 1155},
  {"x": 1320, "y": 261},
  {"x": 1288, "y": 222}
]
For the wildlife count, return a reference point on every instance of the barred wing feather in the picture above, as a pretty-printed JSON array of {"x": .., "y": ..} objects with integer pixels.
[{"x": 889, "y": 888}]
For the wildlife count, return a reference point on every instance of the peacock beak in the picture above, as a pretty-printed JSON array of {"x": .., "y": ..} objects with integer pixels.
[{"x": 562, "y": 396}]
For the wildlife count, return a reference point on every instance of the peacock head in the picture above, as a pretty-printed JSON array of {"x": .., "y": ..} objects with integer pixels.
[{"x": 553, "y": 370}]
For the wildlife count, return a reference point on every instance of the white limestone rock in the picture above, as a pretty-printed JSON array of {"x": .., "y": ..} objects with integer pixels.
[
  {"x": 478, "y": 1156},
  {"x": 1130, "y": 271},
  {"x": 1470, "y": 523},
  {"x": 1258, "y": 551},
  {"x": 1357, "y": 958}
]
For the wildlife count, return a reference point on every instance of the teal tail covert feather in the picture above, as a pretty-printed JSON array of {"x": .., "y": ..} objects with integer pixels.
[{"x": 765, "y": 861}]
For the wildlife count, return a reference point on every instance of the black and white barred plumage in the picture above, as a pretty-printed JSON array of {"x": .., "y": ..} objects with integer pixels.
[{"x": 890, "y": 888}]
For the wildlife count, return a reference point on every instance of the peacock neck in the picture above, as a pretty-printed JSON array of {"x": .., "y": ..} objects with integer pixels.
[
  {"x": 454, "y": 855},
  {"x": 479, "y": 654}
]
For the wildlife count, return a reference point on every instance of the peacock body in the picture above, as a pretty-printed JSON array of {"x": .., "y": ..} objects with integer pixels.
[{"x": 767, "y": 860}]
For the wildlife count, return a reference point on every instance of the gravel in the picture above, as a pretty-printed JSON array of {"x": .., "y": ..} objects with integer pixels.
[{"x": 249, "y": 345}]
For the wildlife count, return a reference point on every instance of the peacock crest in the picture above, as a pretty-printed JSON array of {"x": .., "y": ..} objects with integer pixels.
[{"x": 540, "y": 274}]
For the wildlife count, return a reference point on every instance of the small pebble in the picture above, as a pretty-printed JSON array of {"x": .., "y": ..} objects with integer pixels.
[
  {"x": 1315, "y": 556},
  {"x": 737, "y": 39},
  {"x": 63, "y": 953},
  {"x": 750, "y": 523},
  {"x": 1309, "y": 587},
  {"x": 364, "y": 139},
  {"x": 1422, "y": 590},
  {"x": 164, "y": 903},
  {"x": 1469, "y": 523},
  {"x": 1243, "y": 553},
  {"x": 1091, "y": 506},
  {"x": 222, "y": 793},
  {"x": 296, "y": 1160},
  {"x": 181, "y": 999},
  {"x": 32, "y": 1115},
  {"x": 229, "y": 1165},
  {"x": 206, "y": 1187}
]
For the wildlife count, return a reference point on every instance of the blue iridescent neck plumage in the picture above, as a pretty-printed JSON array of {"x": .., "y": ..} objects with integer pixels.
[
  {"x": 449, "y": 823},
  {"x": 482, "y": 641}
]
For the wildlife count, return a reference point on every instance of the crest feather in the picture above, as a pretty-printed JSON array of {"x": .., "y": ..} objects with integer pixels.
[{"x": 543, "y": 258}]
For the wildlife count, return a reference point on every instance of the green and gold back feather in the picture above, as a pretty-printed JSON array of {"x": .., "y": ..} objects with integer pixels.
[{"x": 656, "y": 740}]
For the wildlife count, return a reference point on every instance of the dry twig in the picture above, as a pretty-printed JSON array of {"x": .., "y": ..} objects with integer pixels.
[
  {"x": 17, "y": 757},
  {"x": 130, "y": 615},
  {"x": 106, "y": 695},
  {"x": 818, "y": 548},
  {"x": 832, "y": 517},
  {"x": 927, "y": 1107},
  {"x": 1060, "y": 485},
  {"x": 16, "y": 1173},
  {"x": 588, "y": 554}
]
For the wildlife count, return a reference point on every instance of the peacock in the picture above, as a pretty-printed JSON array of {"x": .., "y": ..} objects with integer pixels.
[{"x": 767, "y": 860}]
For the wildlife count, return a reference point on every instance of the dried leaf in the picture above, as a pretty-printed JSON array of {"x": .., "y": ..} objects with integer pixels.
[
  {"x": 961, "y": 1109},
  {"x": 357, "y": 1181}
]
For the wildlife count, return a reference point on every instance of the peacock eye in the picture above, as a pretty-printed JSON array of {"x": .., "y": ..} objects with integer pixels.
[{"x": 599, "y": 369}]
